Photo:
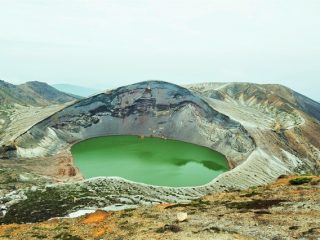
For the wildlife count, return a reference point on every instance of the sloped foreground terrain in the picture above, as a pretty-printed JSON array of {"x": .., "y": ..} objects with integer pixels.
[{"x": 276, "y": 211}]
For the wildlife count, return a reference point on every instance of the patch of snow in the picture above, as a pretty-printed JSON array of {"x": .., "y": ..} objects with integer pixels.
[
  {"x": 82, "y": 212},
  {"x": 79, "y": 213},
  {"x": 119, "y": 207}
]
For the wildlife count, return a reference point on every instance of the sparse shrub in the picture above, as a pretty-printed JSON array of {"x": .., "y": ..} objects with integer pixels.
[
  {"x": 315, "y": 182},
  {"x": 255, "y": 204},
  {"x": 300, "y": 180},
  {"x": 66, "y": 236},
  {"x": 294, "y": 228},
  {"x": 40, "y": 236},
  {"x": 250, "y": 194},
  {"x": 169, "y": 228},
  {"x": 282, "y": 176}
]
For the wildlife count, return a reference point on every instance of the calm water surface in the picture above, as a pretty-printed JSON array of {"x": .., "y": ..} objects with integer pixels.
[{"x": 150, "y": 160}]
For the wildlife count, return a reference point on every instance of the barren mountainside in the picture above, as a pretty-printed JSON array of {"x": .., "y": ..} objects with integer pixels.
[
  {"x": 32, "y": 93},
  {"x": 264, "y": 131}
]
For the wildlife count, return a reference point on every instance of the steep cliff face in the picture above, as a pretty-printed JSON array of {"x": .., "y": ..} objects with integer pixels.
[{"x": 148, "y": 108}]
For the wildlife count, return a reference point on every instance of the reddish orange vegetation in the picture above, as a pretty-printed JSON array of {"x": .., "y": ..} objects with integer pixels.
[
  {"x": 215, "y": 217},
  {"x": 163, "y": 205},
  {"x": 96, "y": 217},
  {"x": 99, "y": 223},
  {"x": 99, "y": 232},
  {"x": 285, "y": 180}
]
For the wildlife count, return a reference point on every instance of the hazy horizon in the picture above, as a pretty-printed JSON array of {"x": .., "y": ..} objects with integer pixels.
[{"x": 107, "y": 44}]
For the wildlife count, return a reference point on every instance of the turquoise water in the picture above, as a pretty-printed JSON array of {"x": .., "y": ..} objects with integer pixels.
[{"x": 153, "y": 161}]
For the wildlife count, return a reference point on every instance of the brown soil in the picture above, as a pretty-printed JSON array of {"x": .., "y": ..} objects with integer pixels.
[{"x": 276, "y": 211}]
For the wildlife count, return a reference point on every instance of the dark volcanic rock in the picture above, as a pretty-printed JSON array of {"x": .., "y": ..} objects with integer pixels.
[
  {"x": 308, "y": 105},
  {"x": 137, "y": 109}
]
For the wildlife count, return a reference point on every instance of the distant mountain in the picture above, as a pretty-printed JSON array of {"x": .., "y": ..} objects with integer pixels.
[
  {"x": 271, "y": 96},
  {"x": 75, "y": 90},
  {"x": 32, "y": 93}
]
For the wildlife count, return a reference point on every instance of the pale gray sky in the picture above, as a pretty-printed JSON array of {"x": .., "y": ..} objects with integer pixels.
[{"x": 109, "y": 43}]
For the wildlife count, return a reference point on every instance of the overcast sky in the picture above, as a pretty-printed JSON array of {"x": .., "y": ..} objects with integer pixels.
[{"x": 109, "y": 43}]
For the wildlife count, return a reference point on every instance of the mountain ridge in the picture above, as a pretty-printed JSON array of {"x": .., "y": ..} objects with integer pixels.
[{"x": 32, "y": 93}]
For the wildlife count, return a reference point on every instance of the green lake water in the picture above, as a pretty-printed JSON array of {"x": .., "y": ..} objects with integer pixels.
[{"x": 153, "y": 161}]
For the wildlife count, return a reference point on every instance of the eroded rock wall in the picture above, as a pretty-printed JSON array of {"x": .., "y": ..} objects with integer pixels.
[{"x": 150, "y": 108}]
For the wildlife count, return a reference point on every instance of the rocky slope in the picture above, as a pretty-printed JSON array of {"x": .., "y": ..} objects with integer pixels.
[
  {"x": 272, "y": 98},
  {"x": 22, "y": 106},
  {"x": 32, "y": 94},
  {"x": 264, "y": 131},
  {"x": 275, "y": 116},
  {"x": 276, "y": 211}
]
